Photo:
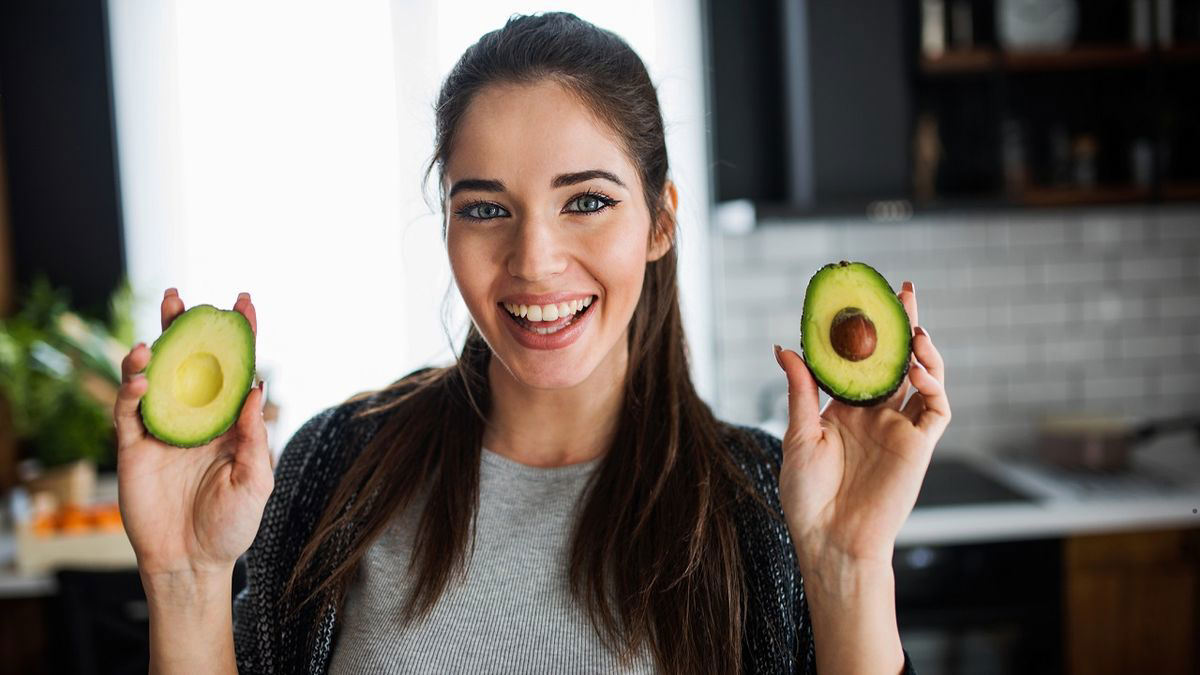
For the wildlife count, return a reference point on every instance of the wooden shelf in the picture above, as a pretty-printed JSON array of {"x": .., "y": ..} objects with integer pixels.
[
  {"x": 1188, "y": 53},
  {"x": 1070, "y": 196},
  {"x": 984, "y": 59},
  {"x": 1181, "y": 190},
  {"x": 1077, "y": 58},
  {"x": 961, "y": 61}
]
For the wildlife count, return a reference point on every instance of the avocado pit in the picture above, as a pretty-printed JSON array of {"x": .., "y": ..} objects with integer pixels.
[
  {"x": 852, "y": 334},
  {"x": 198, "y": 379}
]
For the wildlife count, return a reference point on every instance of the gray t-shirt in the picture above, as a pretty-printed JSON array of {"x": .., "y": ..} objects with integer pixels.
[{"x": 513, "y": 613}]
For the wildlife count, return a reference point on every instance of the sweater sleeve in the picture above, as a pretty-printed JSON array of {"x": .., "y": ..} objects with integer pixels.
[
  {"x": 806, "y": 648},
  {"x": 255, "y": 621}
]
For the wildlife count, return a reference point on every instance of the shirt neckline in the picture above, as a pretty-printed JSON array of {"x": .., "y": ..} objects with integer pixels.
[{"x": 513, "y": 467}]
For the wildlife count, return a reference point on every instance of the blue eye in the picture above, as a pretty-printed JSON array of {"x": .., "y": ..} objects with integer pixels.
[
  {"x": 590, "y": 202},
  {"x": 481, "y": 211}
]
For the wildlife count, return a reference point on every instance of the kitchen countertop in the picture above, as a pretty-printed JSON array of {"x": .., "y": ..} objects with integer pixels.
[{"x": 1162, "y": 492}]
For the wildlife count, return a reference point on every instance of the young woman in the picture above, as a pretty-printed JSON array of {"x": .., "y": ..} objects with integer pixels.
[{"x": 559, "y": 499}]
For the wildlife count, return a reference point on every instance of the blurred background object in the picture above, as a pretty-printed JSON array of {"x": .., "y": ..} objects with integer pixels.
[{"x": 1032, "y": 165}]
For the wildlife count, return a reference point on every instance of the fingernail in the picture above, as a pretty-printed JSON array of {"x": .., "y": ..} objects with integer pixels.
[
  {"x": 921, "y": 330},
  {"x": 140, "y": 344},
  {"x": 243, "y": 295},
  {"x": 262, "y": 401},
  {"x": 170, "y": 291},
  {"x": 908, "y": 286},
  {"x": 778, "y": 358}
]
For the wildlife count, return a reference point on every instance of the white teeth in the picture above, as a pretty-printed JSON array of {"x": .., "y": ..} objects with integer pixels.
[{"x": 548, "y": 312}]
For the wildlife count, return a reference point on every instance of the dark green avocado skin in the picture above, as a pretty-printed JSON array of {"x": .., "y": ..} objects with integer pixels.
[{"x": 859, "y": 403}]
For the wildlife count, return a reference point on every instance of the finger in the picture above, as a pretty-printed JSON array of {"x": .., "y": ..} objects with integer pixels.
[
  {"x": 915, "y": 406},
  {"x": 908, "y": 298},
  {"x": 252, "y": 456},
  {"x": 928, "y": 355},
  {"x": 804, "y": 415},
  {"x": 246, "y": 307},
  {"x": 936, "y": 413},
  {"x": 125, "y": 412},
  {"x": 172, "y": 306},
  {"x": 135, "y": 361}
]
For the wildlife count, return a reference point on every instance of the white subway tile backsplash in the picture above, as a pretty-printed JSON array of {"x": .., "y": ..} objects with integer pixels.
[
  {"x": 1037, "y": 231},
  {"x": 1065, "y": 272},
  {"x": 1176, "y": 225},
  {"x": 1179, "y": 305},
  {"x": 1103, "y": 230},
  {"x": 786, "y": 244},
  {"x": 1064, "y": 349},
  {"x": 1179, "y": 384},
  {"x": 1033, "y": 311},
  {"x": 756, "y": 290},
  {"x": 1165, "y": 268}
]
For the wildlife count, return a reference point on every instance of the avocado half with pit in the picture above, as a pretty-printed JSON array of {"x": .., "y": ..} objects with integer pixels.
[
  {"x": 200, "y": 372},
  {"x": 855, "y": 334}
]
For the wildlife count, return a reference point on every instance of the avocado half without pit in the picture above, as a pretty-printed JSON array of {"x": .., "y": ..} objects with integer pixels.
[
  {"x": 855, "y": 334},
  {"x": 200, "y": 372}
]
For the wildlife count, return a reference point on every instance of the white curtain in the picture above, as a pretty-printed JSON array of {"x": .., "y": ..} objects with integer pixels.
[{"x": 277, "y": 148}]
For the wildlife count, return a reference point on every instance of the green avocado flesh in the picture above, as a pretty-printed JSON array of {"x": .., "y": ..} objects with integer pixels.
[
  {"x": 855, "y": 334},
  {"x": 199, "y": 375}
]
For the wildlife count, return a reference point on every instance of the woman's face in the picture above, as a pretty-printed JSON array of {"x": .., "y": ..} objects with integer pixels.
[{"x": 548, "y": 232}]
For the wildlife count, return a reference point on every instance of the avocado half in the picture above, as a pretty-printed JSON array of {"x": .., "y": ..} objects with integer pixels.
[
  {"x": 200, "y": 372},
  {"x": 855, "y": 334}
]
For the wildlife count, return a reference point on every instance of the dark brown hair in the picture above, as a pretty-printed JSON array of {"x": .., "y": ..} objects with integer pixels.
[{"x": 654, "y": 556}]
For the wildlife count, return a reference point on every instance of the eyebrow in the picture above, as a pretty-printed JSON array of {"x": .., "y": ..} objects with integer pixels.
[{"x": 561, "y": 180}]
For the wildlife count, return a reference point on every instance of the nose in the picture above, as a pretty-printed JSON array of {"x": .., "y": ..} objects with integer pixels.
[{"x": 537, "y": 252}]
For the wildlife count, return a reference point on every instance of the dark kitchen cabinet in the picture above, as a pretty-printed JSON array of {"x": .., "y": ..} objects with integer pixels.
[
  {"x": 1132, "y": 603},
  {"x": 846, "y": 107}
]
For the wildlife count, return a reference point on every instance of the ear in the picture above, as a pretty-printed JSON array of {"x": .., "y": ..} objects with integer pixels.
[{"x": 663, "y": 238}]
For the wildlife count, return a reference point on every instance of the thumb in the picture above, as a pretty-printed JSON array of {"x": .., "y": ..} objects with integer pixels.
[
  {"x": 804, "y": 413},
  {"x": 252, "y": 456}
]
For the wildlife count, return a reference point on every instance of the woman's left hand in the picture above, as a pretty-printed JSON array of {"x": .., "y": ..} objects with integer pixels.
[{"x": 851, "y": 475}]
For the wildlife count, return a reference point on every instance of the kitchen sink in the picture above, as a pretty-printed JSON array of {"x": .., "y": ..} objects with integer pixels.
[{"x": 950, "y": 481}]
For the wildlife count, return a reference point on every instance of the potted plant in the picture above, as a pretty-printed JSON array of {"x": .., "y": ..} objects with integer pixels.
[{"x": 59, "y": 373}]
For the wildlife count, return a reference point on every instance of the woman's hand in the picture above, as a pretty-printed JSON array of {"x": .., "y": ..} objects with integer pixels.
[
  {"x": 189, "y": 512},
  {"x": 851, "y": 475}
]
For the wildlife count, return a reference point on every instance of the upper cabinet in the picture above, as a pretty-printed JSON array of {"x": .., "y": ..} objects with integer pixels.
[{"x": 843, "y": 106}]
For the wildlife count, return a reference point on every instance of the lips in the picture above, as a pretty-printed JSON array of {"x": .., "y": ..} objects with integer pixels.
[{"x": 547, "y": 335}]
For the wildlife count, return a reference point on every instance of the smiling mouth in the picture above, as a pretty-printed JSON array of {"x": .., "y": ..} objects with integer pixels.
[{"x": 548, "y": 319}]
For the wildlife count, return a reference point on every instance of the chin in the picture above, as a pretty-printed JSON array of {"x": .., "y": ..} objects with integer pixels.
[{"x": 541, "y": 372}]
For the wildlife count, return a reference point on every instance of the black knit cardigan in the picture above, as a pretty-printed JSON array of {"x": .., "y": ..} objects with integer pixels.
[{"x": 270, "y": 639}]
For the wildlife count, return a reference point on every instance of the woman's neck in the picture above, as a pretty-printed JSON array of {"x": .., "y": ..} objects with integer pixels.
[{"x": 555, "y": 427}]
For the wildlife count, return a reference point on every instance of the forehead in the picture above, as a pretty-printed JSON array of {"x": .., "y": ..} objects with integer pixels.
[{"x": 524, "y": 134}]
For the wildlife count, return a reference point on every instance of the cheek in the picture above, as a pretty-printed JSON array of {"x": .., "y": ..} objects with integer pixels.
[
  {"x": 468, "y": 264},
  {"x": 620, "y": 265}
]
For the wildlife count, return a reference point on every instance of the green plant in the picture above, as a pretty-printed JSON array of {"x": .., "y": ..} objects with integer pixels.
[{"x": 60, "y": 373}]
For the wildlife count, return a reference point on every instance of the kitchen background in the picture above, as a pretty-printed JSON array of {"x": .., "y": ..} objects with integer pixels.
[
  {"x": 1033, "y": 166},
  {"x": 1056, "y": 310}
]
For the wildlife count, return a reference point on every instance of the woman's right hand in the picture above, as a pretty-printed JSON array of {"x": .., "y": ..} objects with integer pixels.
[{"x": 189, "y": 512}]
